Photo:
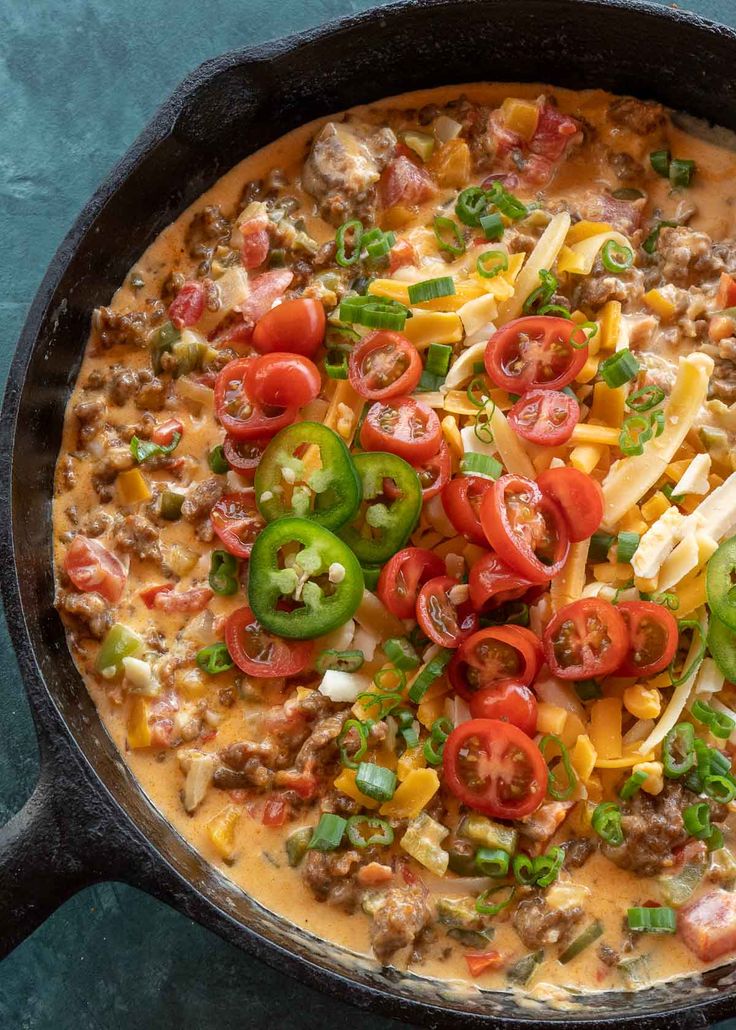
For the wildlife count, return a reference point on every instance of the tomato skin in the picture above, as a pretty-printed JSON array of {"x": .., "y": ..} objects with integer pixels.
[
  {"x": 164, "y": 433},
  {"x": 492, "y": 583},
  {"x": 404, "y": 182},
  {"x": 402, "y": 426},
  {"x": 519, "y": 365},
  {"x": 507, "y": 752},
  {"x": 495, "y": 656},
  {"x": 244, "y": 455},
  {"x": 240, "y": 416},
  {"x": 545, "y": 417},
  {"x": 282, "y": 380},
  {"x": 641, "y": 617},
  {"x": 187, "y": 307},
  {"x": 579, "y": 497},
  {"x": 274, "y": 812},
  {"x": 402, "y": 253},
  {"x": 519, "y": 521},
  {"x": 442, "y": 621},
  {"x": 402, "y": 576},
  {"x": 256, "y": 241},
  {"x": 384, "y": 355},
  {"x": 510, "y": 702},
  {"x": 194, "y": 600},
  {"x": 461, "y": 499},
  {"x": 237, "y": 521},
  {"x": 435, "y": 472},
  {"x": 275, "y": 656},
  {"x": 296, "y": 326},
  {"x": 149, "y": 595},
  {"x": 593, "y": 635},
  {"x": 479, "y": 961},
  {"x": 92, "y": 568}
]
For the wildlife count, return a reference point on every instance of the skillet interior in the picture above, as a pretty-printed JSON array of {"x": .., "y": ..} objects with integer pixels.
[{"x": 225, "y": 110}]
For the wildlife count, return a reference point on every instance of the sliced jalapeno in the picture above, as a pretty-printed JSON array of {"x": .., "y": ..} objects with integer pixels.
[{"x": 392, "y": 500}]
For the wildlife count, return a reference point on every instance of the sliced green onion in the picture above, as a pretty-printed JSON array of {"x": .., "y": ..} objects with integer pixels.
[
  {"x": 695, "y": 626},
  {"x": 635, "y": 432},
  {"x": 400, "y": 652},
  {"x": 600, "y": 545},
  {"x": 353, "y": 229},
  {"x": 471, "y": 205},
  {"x": 660, "y": 162},
  {"x": 583, "y": 941},
  {"x": 560, "y": 792},
  {"x": 142, "y": 450},
  {"x": 523, "y": 969},
  {"x": 588, "y": 690},
  {"x": 645, "y": 399},
  {"x": 678, "y": 750},
  {"x": 719, "y": 724},
  {"x": 506, "y": 202},
  {"x": 482, "y": 427},
  {"x": 214, "y": 659},
  {"x": 217, "y": 461},
  {"x": 697, "y": 820},
  {"x": 652, "y": 920},
  {"x": 620, "y": 368},
  {"x": 375, "y": 781},
  {"x": 384, "y": 703},
  {"x": 336, "y": 364},
  {"x": 407, "y": 729},
  {"x": 439, "y": 356},
  {"x": 429, "y": 382},
  {"x": 366, "y": 830},
  {"x": 485, "y": 907},
  {"x": 492, "y": 862},
  {"x": 385, "y": 679},
  {"x": 328, "y": 833},
  {"x": 431, "y": 671},
  {"x": 715, "y": 841},
  {"x": 378, "y": 243},
  {"x": 435, "y": 745},
  {"x": 547, "y": 867},
  {"x": 523, "y": 867},
  {"x": 615, "y": 257},
  {"x": 431, "y": 289},
  {"x": 681, "y": 171},
  {"x": 477, "y": 392},
  {"x": 481, "y": 465},
  {"x": 492, "y": 226},
  {"x": 559, "y": 311},
  {"x": 445, "y": 231},
  {"x": 632, "y": 785},
  {"x": 626, "y": 546},
  {"x": 543, "y": 293},
  {"x": 374, "y": 312},
  {"x": 606, "y": 822},
  {"x": 650, "y": 243},
  {"x": 491, "y": 262},
  {"x": 657, "y": 418},
  {"x": 223, "y": 577},
  {"x": 352, "y": 761},
  {"x": 720, "y": 788},
  {"x": 342, "y": 661}
]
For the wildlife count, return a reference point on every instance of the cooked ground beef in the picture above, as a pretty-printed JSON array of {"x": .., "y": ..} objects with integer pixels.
[
  {"x": 135, "y": 535},
  {"x": 343, "y": 167},
  {"x": 89, "y": 411},
  {"x": 328, "y": 876},
  {"x": 626, "y": 168},
  {"x": 578, "y": 851},
  {"x": 91, "y": 610},
  {"x": 596, "y": 289},
  {"x": 207, "y": 230},
  {"x": 201, "y": 498},
  {"x": 640, "y": 116},
  {"x": 399, "y": 921},
  {"x": 723, "y": 381},
  {"x": 539, "y": 925},
  {"x": 339, "y": 803},
  {"x": 123, "y": 328},
  {"x": 686, "y": 256}
]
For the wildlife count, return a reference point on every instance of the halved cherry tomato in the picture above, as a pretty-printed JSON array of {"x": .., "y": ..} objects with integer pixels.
[
  {"x": 538, "y": 352},
  {"x": 495, "y": 768},
  {"x": 187, "y": 307},
  {"x": 653, "y": 636},
  {"x": 403, "y": 426},
  {"x": 461, "y": 500},
  {"x": 244, "y": 455},
  {"x": 237, "y": 521},
  {"x": 384, "y": 364},
  {"x": 434, "y": 474},
  {"x": 493, "y": 657},
  {"x": 579, "y": 498},
  {"x": 296, "y": 326},
  {"x": 492, "y": 583},
  {"x": 510, "y": 702},
  {"x": 526, "y": 527},
  {"x": 585, "y": 639},
  {"x": 240, "y": 416},
  {"x": 91, "y": 567},
  {"x": 282, "y": 380},
  {"x": 443, "y": 620},
  {"x": 259, "y": 653},
  {"x": 402, "y": 576},
  {"x": 163, "y": 434},
  {"x": 545, "y": 417}
]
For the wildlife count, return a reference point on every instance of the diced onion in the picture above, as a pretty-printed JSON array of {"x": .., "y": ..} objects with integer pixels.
[{"x": 343, "y": 686}]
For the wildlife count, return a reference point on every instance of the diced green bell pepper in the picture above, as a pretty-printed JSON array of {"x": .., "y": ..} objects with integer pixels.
[{"x": 120, "y": 642}]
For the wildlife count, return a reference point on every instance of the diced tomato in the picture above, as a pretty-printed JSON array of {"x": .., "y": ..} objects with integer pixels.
[
  {"x": 554, "y": 132},
  {"x": 274, "y": 812},
  {"x": 149, "y": 595},
  {"x": 480, "y": 961},
  {"x": 304, "y": 783},
  {"x": 254, "y": 250},
  {"x": 707, "y": 925},
  {"x": 237, "y": 521},
  {"x": 194, "y": 600},
  {"x": 403, "y": 182},
  {"x": 92, "y": 568},
  {"x": 726, "y": 296},
  {"x": 264, "y": 290},
  {"x": 402, "y": 253},
  {"x": 163, "y": 435},
  {"x": 188, "y": 305},
  {"x": 374, "y": 873}
]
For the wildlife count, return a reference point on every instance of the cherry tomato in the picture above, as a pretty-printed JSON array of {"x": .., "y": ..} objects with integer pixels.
[
  {"x": 493, "y": 657},
  {"x": 282, "y": 380},
  {"x": 526, "y": 527},
  {"x": 384, "y": 364},
  {"x": 579, "y": 497},
  {"x": 434, "y": 474},
  {"x": 259, "y": 653},
  {"x": 492, "y": 583},
  {"x": 461, "y": 500},
  {"x": 510, "y": 702},
  {"x": 538, "y": 352},
  {"x": 402, "y": 576},
  {"x": 403, "y": 426},
  {"x": 243, "y": 418},
  {"x": 164, "y": 434},
  {"x": 91, "y": 567},
  {"x": 545, "y": 417},
  {"x": 296, "y": 326},
  {"x": 237, "y": 521},
  {"x": 443, "y": 620},
  {"x": 494, "y": 768},
  {"x": 187, "y": 307},
  {"x": 244, "y": 455},
  {"x": 653, "y": 636},
  {"x": 585, "y": 639}
]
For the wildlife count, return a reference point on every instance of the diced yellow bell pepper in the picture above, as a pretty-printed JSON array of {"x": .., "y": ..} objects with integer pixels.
[
  {"x": 520, "y": 116},
  {"x": 660, "y": 304},
  {"x": 221, "y": 831},
  {"x": 411, "y": 796},
  {"x": 422, "y": 143},
  {"x": 642, "y": 702},
  {"x": 587, "y": 433},
  {"x": 451, "y": 434},
  {"x": 422, "y": 841},
  {"x": 583, "y": 756},
  {"x": 584, "y": 229},
  {"x": 138, "y": 732},
  {"x": 586, "y": 456},
  {"x": 412, "y": 758},
  {"x": 132, "y": 487},
  {"x": 450, "y": 165},
  {"x": 425, "y": 327},
  {"x": 550, "y": 718},
  {"x": 345, "y": 782},
  {"x": 655, "y": 506},
  {"x": 605, "y": 728}
]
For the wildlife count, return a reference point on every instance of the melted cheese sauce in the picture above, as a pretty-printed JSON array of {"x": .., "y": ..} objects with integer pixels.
[{"x": 259, "y": 866}]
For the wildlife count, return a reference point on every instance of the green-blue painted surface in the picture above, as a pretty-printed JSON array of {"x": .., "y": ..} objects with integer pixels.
[{"x": 78, "y": 81}]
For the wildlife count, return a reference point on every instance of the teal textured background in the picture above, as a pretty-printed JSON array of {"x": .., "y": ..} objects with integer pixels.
[{"x": 78, "y": 81}]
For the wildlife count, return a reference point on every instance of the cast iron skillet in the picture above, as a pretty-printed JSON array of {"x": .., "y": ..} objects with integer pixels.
[{"x": 87, "y": 819}]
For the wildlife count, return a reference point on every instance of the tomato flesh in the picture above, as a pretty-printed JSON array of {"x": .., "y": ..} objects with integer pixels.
[
  {"x": 402, "y": 426},
  {"x": 494, "y": 657},
  {"x": 384, "y": 364},
  {"x": 240, "y": 415},
  {"x": 510, "y": 702},
  {"x": 237, "y": 521},
  {"x": 492, "y": 583},
  {"x": 403, "y": 575},
  {"x": 261, "y": 654},
  {"x": 537, "y": 352},
  {"x": 444, "y": 621},
  {"x": 545, "y": 417},
  {"x": 92, "y": 568},
  {"x": 579, "y": 498},
  {"x": 461, "y": 499},
  {"x": 244, "y": 455},
  {"x": 296, "y": 326},
  {"x": 586, "y": 639},
  {"x": 525, "y": 526},
  {"x": 653, "y": 637},
  {"x": 434, "y": 474},
  {"x": 188, "y": 306}
]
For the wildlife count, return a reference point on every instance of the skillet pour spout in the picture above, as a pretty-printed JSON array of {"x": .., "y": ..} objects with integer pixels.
[{"x": 88, "y": 819}]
